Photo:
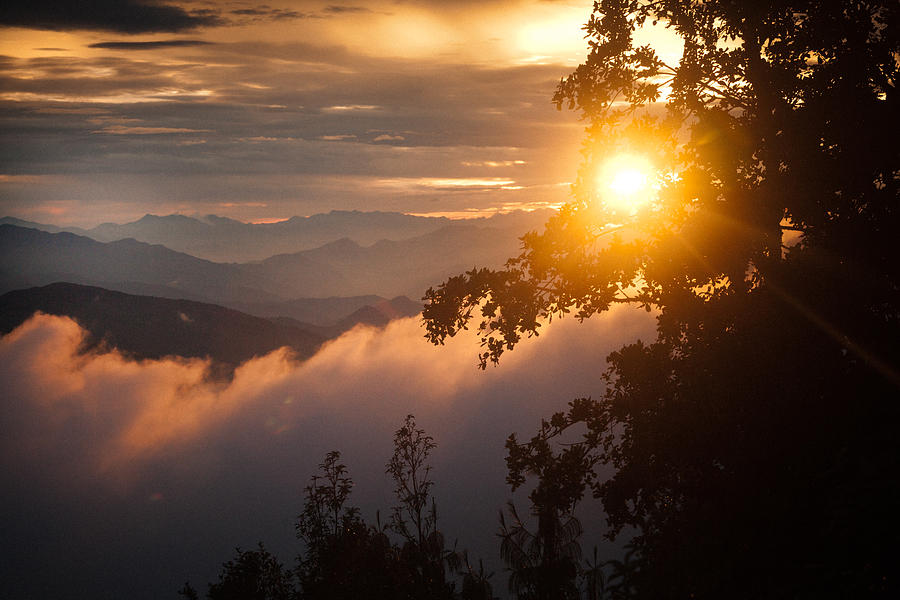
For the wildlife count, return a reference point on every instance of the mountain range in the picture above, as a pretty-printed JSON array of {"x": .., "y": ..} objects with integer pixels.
[
  {"x": 222, "y": 239},
  {"x": 30, "y": 257},
  {"x": 149, "y": 300}
]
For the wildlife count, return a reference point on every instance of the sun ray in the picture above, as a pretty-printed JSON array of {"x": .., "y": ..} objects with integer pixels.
[{"x": 625, "y": 183}]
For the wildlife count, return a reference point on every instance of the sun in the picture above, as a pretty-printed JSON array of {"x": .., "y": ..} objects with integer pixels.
[
  {"x": 628, "y": 182},
  {"x": 625, "y": 183}
]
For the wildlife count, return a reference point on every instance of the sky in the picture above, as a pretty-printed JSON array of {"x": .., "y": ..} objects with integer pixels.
[
  {"x": 124, "y": 478},
  {"x": 116, "y": 108}
]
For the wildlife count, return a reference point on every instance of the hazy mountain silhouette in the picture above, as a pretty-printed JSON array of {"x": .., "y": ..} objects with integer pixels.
[
  {"x": 321, "y": 312},
  {"x": 29, "y": 258},
  {"x": 225, "y": 240},
  {"x": 377, "y": 314},
  {"x": 41, "y": 226},
  {"x": 148, "y": 327},
  {"x": 390, "y": 268}
]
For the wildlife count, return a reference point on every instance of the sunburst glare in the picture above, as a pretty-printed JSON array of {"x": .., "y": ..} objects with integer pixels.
[{"x": 626, "y": 182}]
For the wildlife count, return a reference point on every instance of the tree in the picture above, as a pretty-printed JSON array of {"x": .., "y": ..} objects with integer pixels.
[
  {"x": 415, "y": 517},
  {"x": 252, "y": 575},
  {"x": 411, "y": 472},
  {"x": 325, "y": 510},
  {"x": 476, "y": 584},
  {"x": 344, "y": 557},
  {"x": 751, "y": 443},
  {"x": 543, "y": 565}
]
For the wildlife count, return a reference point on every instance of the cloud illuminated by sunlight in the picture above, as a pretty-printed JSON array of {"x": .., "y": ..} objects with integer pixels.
[
  {"x": 129, "y": 411},
  {"x": 555, "y": 35},
  {"x": 450, "y": 183}
]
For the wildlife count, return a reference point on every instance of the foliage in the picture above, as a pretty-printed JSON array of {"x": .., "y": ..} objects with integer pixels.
[
  {"x": 751, "y": 444},
  {"x": 252, "y": 575},
  {"x": 324, "y": 512},
  {"x": 411, "y": 473},
  {"x": 188, "y": 592},
  {"x": 476, "y": 584},
  {"x": 543, "y": 565},
  {"x": 424, "y": 548},
  {"x": 344, "y": 557}
]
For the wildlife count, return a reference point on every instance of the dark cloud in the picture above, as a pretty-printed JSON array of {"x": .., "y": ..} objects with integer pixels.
[
  {"x": 267, "y": 96},
  {"x": 341, "y": 9},
  {"x": 250, "y": 12},
  {"x": 263, "y": 13},
  {"x": 149, "y": 45},
  {"x": 120, "y": 16}
]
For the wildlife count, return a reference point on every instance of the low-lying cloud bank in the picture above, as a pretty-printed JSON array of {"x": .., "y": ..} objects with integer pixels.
[{"x": 129, "y": 477}]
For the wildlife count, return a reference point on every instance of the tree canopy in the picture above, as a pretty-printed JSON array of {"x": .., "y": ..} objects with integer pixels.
[{"x": 751, "y": 444}]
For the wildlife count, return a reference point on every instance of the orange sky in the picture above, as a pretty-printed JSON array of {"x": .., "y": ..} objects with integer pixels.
[{"x": 264, "y": 111}]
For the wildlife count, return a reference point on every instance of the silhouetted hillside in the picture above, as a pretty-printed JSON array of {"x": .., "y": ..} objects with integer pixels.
[
  {"x": 148, "y": 327},
  {"x": 322, "y": 312},
  {"x": 377, "y": 314}
]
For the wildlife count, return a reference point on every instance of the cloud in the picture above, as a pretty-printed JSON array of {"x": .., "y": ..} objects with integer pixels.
[
  {"x": 350, "y": 107},
  {"x": 125, "y": 130},
  {"x": 458, "y": 184},
  {"x": 120, "y": 16},
  {"x": 149, "y": 45},
  {"x": 342, "y": 9},
  {"x": 170, "y": 402},
  {"x": 493, "y": 164},
  {"x": 296, "y": 93},
  {"x": 150, "y": 473},
  {"x": 267, "y": 13}
]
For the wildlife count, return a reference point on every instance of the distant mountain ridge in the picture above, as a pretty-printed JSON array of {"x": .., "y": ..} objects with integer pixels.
[
  {"x": 377, "y": 314},
  {"x": 221, "y": 239},
  {"x": 323, "y": 312},
  {"x": 151, "y": 327},
  {"x": 29, "y": 257}
]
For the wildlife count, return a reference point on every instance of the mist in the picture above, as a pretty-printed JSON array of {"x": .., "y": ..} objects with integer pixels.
[{"x": 130, "y": 477}]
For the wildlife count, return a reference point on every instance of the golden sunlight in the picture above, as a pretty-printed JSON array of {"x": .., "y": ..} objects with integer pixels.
[
  {"x": 625, "y": 182},
  {"x": 628, "y": 182}
]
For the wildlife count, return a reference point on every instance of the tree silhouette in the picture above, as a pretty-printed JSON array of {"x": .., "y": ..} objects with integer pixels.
[
  {"x": 325, "y": 510},
  {"x": 415, "y": 517},
  {"x": 594, "y": 578},
  {"x": 411, "y": 472},
  {"x": 344, "y": 557},
  {"x": 252, "y": 575},
  {"x": 751, "y": 443},
  {"x": 476, "y": 584},
  {"x": 543, "y": 565}
]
